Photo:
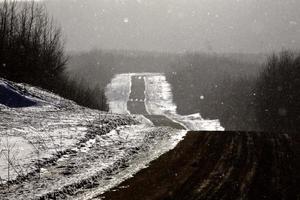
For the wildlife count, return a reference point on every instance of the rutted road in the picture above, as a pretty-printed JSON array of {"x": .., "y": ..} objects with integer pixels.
[
  {"x": 136, "y": 104},
  {"x": 218, "y": 165}
]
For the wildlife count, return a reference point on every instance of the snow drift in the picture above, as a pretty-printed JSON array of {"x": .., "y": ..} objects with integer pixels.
[{"x": 13, "y": 97}]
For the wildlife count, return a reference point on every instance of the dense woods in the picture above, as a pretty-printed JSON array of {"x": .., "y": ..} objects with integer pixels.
[{"x": 32, "y": 51}]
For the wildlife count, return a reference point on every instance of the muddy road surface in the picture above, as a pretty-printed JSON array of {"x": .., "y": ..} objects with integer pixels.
[{"x": 218, "y": 165}]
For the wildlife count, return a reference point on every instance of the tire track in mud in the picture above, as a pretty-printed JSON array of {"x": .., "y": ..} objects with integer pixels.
[
  {"x": 136, "y": 104},
  {"x": 219, "y": 165}
]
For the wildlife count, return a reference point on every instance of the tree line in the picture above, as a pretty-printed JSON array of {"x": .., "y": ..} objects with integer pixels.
[
  {"x": 32, "y": 51},
  {"x": 243, "y": 95}
]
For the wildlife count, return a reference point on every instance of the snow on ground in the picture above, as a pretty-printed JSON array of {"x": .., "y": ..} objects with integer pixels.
[
  {"x": 39, "y": 132},
  {"x": 80, "y": 153},
  {"x": 150, "y": 142},
  {"x": 113, "y": 158},
  {"x": 73, "y": 152},
  {"x": 117, "y": 93},
  {"x": 158, "y": 100},
  {"x": 13, "y": 96}
]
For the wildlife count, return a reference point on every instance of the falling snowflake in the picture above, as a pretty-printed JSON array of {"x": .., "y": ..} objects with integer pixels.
[
  {"x": 126, "y": 20},
  {"x": 293, "y": 23}
]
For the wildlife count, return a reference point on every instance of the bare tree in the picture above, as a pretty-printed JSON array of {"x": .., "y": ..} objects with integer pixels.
[
  {"x": 32, "y": 51},
  {"x": 30, "y": 44}
]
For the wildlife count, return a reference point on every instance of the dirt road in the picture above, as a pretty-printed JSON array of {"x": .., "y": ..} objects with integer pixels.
[{"x": 218, "y": 165}]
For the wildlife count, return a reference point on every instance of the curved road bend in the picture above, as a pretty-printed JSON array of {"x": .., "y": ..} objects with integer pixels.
[{"x": 136, "y": 104}]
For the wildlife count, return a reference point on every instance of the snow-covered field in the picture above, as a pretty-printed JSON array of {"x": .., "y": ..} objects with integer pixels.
[{"x": 158, "y": 100}]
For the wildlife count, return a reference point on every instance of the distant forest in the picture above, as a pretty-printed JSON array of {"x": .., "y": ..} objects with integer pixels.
[{"x": 99, "y": 66}]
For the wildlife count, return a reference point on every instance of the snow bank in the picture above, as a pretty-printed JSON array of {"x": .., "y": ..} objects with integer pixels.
[
  {"x": 159, "y": 101},
  {"x": 13, "y": 97},
  {"x": 159, "y": 98},
  {"x": 117, "y": 93}
]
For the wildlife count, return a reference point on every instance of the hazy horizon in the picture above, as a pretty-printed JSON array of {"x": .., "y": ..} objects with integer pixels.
[{"x": 234, "y": 26}]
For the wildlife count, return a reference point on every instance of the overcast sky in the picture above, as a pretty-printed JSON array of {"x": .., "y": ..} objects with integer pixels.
[{"x": 179, "y": 25}]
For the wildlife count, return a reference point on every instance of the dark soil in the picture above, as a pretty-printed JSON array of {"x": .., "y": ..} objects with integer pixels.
[{"x": 220, "y": 165}]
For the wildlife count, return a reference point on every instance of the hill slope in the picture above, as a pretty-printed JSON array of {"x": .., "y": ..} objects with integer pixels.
[{"x": 53, "y": 147}]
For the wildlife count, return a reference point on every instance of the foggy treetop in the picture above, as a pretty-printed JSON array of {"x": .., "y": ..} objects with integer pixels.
[{"x": 179, "y": 25}]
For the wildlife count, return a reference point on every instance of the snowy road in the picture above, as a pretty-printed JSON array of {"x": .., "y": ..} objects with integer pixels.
[
  {"x": 149, "y": 94},
  {"x": 136, "y": 104}
]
